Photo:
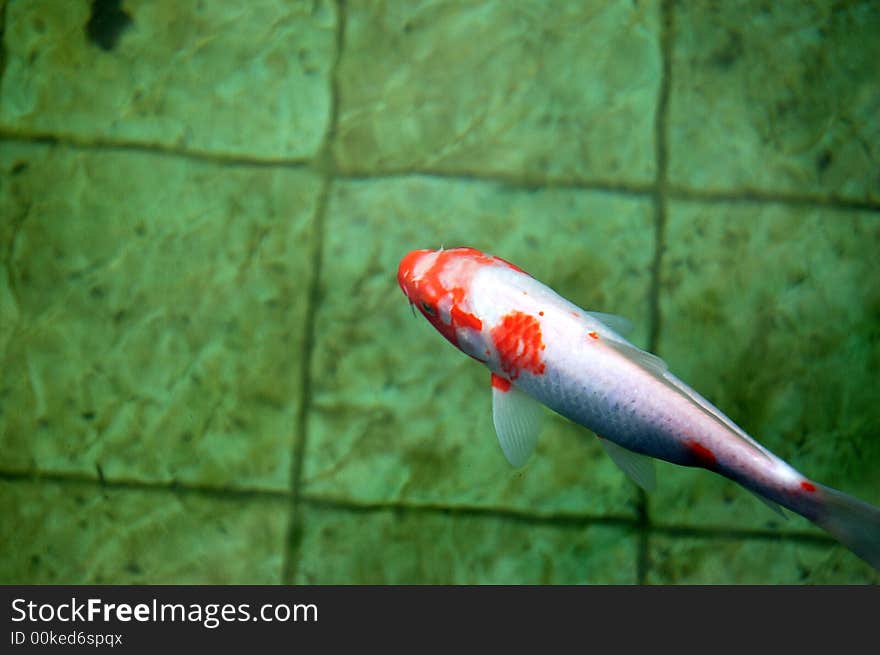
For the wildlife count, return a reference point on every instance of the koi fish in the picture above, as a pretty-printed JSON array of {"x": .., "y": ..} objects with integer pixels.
[{"x": 543, "y": 350}]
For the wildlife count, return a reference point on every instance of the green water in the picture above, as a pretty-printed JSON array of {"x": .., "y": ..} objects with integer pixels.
[{"x": 209, "y": 374}]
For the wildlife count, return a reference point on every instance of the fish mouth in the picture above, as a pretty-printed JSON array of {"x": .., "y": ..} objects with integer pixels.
[{"x": 406, "y": 269}]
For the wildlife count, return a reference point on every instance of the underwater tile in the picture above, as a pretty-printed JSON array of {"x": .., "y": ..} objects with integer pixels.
[
  {"x": 156, "y": 315},
  {"x": 771, "y": 312},
  {"x": 778, "y": 96},
  {"x": 397, "y": 413},
  {"x": 341, "y": 546},
  {"x": 81, "y": 533},
  {"x": 244, "y": 79},
  {"x": 528, "y": 89},
  {"x": 722, "y": 561}
]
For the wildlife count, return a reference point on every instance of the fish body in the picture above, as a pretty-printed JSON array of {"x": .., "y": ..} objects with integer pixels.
[{"x": 543, "y": 350}]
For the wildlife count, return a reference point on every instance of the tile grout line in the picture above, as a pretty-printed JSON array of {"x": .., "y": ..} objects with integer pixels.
[
  {"x": 17, "y": 220},
  {"x": 4, "y": 12},
  {"x": 570, "y": 520},
  {"x": 345, "y": 505},
  {"x": 100, "y": 145},
  {"x": 291, "y": 543},
  {"x": 623, "y": 188},
  {"x": 147, "y": 486},
  {"x": 327, "y": 168},
  {"x": 659, "y": 199},
  {"x": 758, "y": 196}
]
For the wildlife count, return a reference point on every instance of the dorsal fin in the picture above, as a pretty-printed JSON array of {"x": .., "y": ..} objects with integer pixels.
[
  {"x": 619, "y": 324},
  {"x": 643, "y": 358}
]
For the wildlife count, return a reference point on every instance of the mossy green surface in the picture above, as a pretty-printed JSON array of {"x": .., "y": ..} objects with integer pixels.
[
  {"x": 249, "y": 80},
  {"x": 561, "y": 90},
  {"x": 153, "y": 319},
  {"x": 400, "y": 547},
  {"x": 776, "y": 97},
  {"x": 79, "y": 533},
  {"x": 772, "y": 313},
  {"x": 733, "y": 560}
]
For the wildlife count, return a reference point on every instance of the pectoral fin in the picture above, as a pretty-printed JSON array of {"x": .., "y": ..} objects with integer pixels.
[
  {"x": 639, "y": 468},
  {"x": 518, "y": 419},
  {"x": 769, "y": 503}
]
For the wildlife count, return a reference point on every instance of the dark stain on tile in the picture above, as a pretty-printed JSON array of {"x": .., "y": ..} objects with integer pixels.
[
  {"x": 823, "y": 161},
  {"x": 106, "y": 23},
  {"x": 727, "y": 55}
]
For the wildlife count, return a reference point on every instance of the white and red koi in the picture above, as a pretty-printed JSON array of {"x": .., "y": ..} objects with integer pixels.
[{"x": 542, "y": 349}]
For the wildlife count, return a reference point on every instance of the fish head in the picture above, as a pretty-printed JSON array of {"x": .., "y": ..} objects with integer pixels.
[{"x": 438, "y": 284}]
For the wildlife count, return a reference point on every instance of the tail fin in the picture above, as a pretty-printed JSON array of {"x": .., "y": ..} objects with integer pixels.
[{"x": 854, "y": 523}]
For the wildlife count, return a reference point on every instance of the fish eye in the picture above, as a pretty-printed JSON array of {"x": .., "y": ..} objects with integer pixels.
[{"x": 428, "y": 309}]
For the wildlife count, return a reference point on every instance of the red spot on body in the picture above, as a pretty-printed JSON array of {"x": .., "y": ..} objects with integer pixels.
[
  {"x": 500, "y": 383},
  {"x": 808, "y": 486},
  {"x": 704, "y": 456},
  {"x": 540, "y": 313},
  {"x": 463, "y": 319},
  {"x": 593, "y": 335},
  {"x": 517, "y": 339}
]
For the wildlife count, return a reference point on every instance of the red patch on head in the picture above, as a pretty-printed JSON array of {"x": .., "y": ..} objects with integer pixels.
[
  {"x": 427, "y": 292},
  {"x": 405, "y": 269},
  {"x": 518, "y": 342},
  {"x": 704, "y": 456},
  {"x": 808, "y": 486},
  {"x": 500, "y": 383},
  {"x": 593, "y": 335},
  {"x": 479, "y": 257},
  {"x": 463, "y": 319},
  {"x": 443, "y": 282},
  {"x": 505, "y": 262}
]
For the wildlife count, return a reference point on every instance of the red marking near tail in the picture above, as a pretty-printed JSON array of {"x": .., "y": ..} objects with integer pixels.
[
  {"x": 593, "y": 335},
  {"x": 808, "y": 486},
  {"x": 518, "y": 342},
  {"x": 500, "y": 383},
  {"x": 704, "y": 456}
]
